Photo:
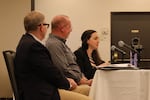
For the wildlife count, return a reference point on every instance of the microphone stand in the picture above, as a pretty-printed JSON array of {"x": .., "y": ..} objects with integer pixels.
[{"x": 122, "y": 57}]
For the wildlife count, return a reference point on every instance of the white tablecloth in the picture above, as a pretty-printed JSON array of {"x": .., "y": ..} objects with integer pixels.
[{"x": 121, "y": 85}]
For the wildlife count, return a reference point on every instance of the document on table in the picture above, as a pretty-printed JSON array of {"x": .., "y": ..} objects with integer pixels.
[{"x": 117, "y": 66}]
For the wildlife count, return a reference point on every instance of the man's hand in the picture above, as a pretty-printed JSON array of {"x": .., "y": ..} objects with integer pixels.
[{"x": 73, "y": 84}]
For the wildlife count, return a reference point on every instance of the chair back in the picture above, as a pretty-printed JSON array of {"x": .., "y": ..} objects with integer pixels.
[{"x": 9, "y": 60}]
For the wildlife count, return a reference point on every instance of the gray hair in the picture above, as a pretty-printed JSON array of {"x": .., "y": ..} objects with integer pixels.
[{"x": 32, "y": 20}]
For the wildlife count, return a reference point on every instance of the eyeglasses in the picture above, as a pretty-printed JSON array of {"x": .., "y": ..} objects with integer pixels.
[{"x": 44, "y": 25}]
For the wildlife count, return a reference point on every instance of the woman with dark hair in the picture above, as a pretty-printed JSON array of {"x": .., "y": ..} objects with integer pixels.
[{"x": 87, "y": 55}]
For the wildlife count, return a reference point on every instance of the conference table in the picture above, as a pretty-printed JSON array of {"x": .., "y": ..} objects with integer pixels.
[{"x": 121, "y": 85}]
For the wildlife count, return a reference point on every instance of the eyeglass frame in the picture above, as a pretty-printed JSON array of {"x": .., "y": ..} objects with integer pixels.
[{"x": 44, "y": 24}]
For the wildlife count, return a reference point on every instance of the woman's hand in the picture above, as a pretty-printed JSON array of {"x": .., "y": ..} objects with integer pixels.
[
  {"x": 84, "y": 80},
  {"x": 104, "y": 64}
]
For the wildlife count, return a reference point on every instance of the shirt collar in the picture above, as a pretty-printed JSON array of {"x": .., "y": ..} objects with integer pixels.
[
  {"x": 59, "y": 38},
  {"x": 42, "y": 42}
]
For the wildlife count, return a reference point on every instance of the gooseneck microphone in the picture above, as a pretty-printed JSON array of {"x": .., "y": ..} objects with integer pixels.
[
  {"x": 122, "y": 44},
  {"x": 113, "y": 48}
]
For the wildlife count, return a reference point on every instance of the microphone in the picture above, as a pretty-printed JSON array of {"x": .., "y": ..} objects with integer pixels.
[
  {"x": 122, "y": 44},
  {"x": 113, "y": 48}
]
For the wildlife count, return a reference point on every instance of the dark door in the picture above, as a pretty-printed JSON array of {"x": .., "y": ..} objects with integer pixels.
[{"x": 127, "y": 26}]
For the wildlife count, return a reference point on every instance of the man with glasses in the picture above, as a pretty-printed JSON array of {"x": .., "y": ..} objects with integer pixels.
[{"x": 37, "y": 77}]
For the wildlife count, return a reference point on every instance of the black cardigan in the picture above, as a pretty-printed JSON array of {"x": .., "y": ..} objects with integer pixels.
[{"x": 84, "y": 63}]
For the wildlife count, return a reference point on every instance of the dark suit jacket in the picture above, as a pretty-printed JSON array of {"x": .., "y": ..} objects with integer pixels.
[
  {"x": 37, "y": 77},
  {"x": 84, "y": 63}
]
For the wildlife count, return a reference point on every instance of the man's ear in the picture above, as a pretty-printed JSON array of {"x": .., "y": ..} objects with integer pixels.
[
  {"x": 61, "y": 28},
  {"x": 41, "y": 28}
]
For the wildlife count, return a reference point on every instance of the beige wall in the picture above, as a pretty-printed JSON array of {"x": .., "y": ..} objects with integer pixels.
[
  {"x": 90, "y": 14},
  {"x": 11, "y": 29}
]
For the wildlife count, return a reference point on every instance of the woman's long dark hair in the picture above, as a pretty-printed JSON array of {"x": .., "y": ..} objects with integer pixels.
[{"x": 85, "y": 37}]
